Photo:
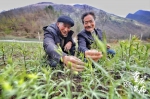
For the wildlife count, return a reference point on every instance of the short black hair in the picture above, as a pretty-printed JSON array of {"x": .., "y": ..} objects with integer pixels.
[{"x": 87, "y": 13}]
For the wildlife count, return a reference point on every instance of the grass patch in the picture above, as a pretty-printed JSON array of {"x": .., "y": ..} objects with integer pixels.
[{"x": 24, "y": 74}]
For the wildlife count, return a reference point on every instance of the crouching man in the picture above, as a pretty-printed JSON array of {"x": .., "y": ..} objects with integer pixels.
[
  {"x": 85, "y": 38},
  {"x": 59, "y": 35}
]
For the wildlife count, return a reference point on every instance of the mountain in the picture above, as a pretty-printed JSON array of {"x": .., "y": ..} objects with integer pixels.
[
  {"x": 140, "y": 16},
  {"x": 28, "y": 21},
  {"x": 2, "y": 11}
]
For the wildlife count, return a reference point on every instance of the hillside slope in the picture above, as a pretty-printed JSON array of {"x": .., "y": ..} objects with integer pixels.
[
  {"x": 140, "y": 16},
  {"x": 28, "y": 21}
]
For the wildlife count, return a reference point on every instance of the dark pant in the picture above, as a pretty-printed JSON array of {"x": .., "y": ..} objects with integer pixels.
[
  {"x": 111, "y": 52},
  {"x": 54, "y": 63}
]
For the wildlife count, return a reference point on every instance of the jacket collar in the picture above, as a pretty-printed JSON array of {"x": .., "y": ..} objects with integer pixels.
[
  {"x": 97, "y": 31},
  {"x": 89, "y": 34},
  {"x": 54, "y": 28}
]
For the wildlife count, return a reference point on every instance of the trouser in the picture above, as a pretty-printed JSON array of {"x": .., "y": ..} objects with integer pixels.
[
  {"x": 110, "y": 53},
  {"x": 54, "y": 63}
]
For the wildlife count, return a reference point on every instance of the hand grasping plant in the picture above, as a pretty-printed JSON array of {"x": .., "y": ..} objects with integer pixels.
[
  {"x": 93, "y": 54},
  {"x": 73, "y": 62}
]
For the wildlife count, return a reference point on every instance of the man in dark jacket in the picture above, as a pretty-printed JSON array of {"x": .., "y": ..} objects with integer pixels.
[
  {"x": 57, "y": 36},
  {"x": 85, "y": 38}
]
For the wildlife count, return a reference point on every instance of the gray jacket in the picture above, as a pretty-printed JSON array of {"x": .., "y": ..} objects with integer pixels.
[
  {"x": 52, "y": 38},
  {"x": 85, "y": 39}
]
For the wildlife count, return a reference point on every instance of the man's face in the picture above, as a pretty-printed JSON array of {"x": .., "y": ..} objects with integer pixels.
[
  {"x": 89, "y": 23},
  {"x": 64, "y": 28}
]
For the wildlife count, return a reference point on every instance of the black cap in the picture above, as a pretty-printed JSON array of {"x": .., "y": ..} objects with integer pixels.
[{"x": 66, "y": 19}]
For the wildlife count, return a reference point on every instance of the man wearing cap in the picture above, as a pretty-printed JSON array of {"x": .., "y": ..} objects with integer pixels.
[
  {"x": 57, "y": 36},
  {"x": 85, "y": 38}
]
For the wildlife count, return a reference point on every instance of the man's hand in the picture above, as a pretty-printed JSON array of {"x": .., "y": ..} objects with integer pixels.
[
  {"x": 73, "y": 62},
  {"x": 108, "y": 46},
  {"x": 67, "y": 47},
  {"x": 93, "y": 54}
]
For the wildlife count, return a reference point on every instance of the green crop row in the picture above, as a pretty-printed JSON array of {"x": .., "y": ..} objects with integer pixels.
[{"x": 24, "y": 73}]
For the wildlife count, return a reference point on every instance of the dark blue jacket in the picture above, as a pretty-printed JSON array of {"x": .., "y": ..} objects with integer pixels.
[
  {"x": 85, "y": 39},
  {"x": 53, "y": 38}
]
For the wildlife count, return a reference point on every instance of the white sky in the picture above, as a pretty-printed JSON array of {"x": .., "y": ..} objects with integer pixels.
[{"x": 117, "y": 7}]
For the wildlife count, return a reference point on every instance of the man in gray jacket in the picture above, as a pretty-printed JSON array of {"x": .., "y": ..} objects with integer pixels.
[{"x": 57, "y": 36}]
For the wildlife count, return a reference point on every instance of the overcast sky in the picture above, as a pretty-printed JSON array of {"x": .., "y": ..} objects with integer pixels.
[{"x": 117, "y": 7}]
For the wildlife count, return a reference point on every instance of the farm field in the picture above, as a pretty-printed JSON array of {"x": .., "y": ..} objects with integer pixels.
[{"x": 24, "y": 73}]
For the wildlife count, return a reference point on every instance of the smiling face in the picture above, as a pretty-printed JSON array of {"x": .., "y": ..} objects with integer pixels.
[
  {"x": 89, "y": 23},
  {"x": 64, "y": 28}
]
